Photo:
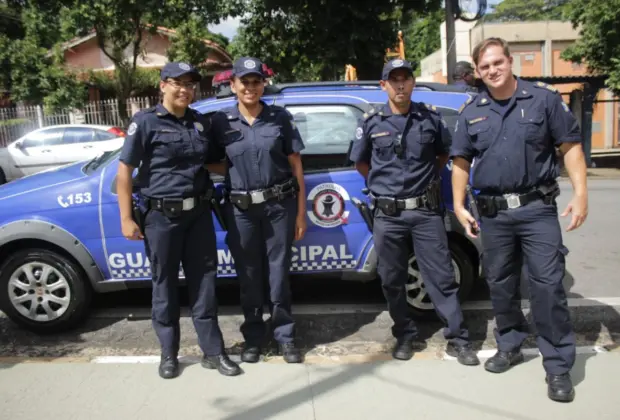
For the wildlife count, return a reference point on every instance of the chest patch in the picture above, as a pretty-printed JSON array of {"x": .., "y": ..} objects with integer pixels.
[
  {"x": 381, "y": 134},
  {"x": 476, "y": 120}
]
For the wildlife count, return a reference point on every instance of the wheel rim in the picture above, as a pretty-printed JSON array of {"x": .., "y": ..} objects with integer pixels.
[
  {"x": 417, "y": 296},
  {"x": 39, "y": 292}
]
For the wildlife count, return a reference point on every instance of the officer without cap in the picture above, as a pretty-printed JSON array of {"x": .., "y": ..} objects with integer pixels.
[
  {"x": 511, "y": 130},
  {"x": 169, "y": 145},
  {"x": 399, "y": 150},
  {"x": 464, "y": 77},
  {"x": 267, "y": 205}
]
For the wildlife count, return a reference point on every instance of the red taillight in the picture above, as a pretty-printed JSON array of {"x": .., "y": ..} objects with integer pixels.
[
  {"x": 117, "y": 131},
  {"x": 222, "y": 77}
]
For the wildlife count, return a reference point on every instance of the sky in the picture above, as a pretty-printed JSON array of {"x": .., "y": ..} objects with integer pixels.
[{"x": 228, "y": 27}]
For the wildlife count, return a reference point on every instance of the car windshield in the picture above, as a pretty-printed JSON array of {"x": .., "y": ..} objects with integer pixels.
[{"x": 100, "y": 160}]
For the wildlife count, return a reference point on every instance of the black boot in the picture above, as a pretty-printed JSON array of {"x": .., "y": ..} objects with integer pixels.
[
  {"x": 463, "y": 353},
  {"x": 169, "y": 367},
  {"x": 250, "y": 354},
  {"x": 560, "y": 388},
  {"x": 403, "y": 350},
  {"x": 222, "y": 363},
  {"x": 503, "y": 360},
  {"x": 290, "y": 353}
]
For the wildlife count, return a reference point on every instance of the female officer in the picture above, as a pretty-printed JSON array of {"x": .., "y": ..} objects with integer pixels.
[
  {"x": 265, "y": 188},
  {"x": 168, "y": 144}
]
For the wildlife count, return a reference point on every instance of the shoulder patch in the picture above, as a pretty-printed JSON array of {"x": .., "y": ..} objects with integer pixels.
[
  {"x": 467, "y": 102},
  {"x": 542, "y": 85}
]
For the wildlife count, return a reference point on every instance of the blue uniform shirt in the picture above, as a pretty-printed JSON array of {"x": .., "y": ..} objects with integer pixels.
[
  {"x": 513, "y": 141},
  {"x": 257, "y": 154},
  {"x": 423, "y": 136},
  {"x": 170, "y": 153}
]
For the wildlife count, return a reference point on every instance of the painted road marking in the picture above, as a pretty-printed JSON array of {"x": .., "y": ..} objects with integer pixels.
[
  {"x": 348, "y": 308},
  {"x": 309, "y": 359}
]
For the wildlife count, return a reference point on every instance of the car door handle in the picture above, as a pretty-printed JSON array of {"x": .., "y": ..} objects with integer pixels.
[
  {"x": 46, "y": 150},
  {"x": 88, "y": 147}
]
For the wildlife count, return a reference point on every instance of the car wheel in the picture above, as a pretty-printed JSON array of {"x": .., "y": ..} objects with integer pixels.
[
  {"x": 2, "y": 177},
  {"x": 43, "y": 291},
  {"x": 418, "y": 299}
]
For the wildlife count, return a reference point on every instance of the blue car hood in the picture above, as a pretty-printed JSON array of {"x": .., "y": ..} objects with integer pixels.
[{"x": 43, "y": 179}]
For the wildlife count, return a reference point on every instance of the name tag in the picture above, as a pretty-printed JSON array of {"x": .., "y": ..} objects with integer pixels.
[
  {"x": 382, "y": 134},
  {"x": 476, "y": 120}
]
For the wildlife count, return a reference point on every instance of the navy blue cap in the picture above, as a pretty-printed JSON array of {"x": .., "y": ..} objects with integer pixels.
[
  {"x": 396, "y": 64},
  {"x": 248, "y": 65},
  {"x": 174, "y": 70}
]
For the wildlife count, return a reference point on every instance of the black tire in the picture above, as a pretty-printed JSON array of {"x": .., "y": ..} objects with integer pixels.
[
  {"x": 2, "y": 177},
  {"x": 467, "y": 275},
  {"x": 80, "y": 292}
]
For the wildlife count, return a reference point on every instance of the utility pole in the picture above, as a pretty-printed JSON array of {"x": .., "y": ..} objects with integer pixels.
[{"x": 450, "y": 35}]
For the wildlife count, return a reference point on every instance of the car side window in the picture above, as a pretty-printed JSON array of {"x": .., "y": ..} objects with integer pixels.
[
  {"x": 49, "y": 137},
  {"x": 101, "y": 135},
  {"x": 325, "y": 129},
  {"x": 450, "y": 116},
  {"x": 78, "y": 135}
]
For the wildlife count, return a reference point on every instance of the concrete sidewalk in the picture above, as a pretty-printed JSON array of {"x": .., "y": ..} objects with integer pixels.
[{"x": 423, "y": 388}]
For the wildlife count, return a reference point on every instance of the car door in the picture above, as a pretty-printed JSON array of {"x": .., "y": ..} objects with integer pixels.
[
  {"x": 76, "y": 145},
  {"x": 35, "y": 151},
  {"x": 337, "y": 236}
]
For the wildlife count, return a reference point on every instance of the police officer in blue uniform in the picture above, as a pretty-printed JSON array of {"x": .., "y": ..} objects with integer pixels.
[
  {"x": 399, "y": 150},
  {"x": 266, "y": 204},
  {"x": 168, "y": 144},
  {"x": 511, "y": 131}
]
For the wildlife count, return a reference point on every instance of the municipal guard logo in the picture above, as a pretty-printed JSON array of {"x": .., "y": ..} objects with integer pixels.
[
  {"x": 132, "y": 128},
  {"x": 249, "y": 64},
  {"x": 184, "y": 66},
  {"x": 397, "y": 63},
  {"x": 198, "y": 127},
  {"x": 328, "y": 205},
  {"x": 359, "y": 133}
]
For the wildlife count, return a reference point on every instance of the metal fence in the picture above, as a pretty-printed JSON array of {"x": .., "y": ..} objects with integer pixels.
[{"x": 18, "y": 121}]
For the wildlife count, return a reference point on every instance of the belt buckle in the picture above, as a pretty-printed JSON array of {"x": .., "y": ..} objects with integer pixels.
[
  {"x": 188, "y": 203},
  {"x": 513, "y": 200},
  {"x": 411, "y": 203},
  {"x": 257, "y": 197}
]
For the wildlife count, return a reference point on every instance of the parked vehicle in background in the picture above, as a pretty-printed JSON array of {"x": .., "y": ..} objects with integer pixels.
[{"x": 56, "y": 145}]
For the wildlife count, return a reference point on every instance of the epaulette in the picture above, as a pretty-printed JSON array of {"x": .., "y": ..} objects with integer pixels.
[
  {"x": 367, "y": 115},
  {"x": 431, "y": 107},
  {"x": 467, "y": 102},
  {"x": 542, "y": 85}
]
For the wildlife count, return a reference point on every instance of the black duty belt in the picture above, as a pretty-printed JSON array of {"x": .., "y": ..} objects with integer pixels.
[
  {"x": 490, "y": 204},
  {"x": 243, "y": 199},
  {"x": 398, "y": 203},
  {"x": 176, "y": 205}
]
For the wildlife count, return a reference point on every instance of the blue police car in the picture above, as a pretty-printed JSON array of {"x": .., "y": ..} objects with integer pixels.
[{"x": 60, "y": 233}]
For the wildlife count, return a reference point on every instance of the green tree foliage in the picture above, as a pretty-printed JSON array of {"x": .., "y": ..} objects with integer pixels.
[
  {"x": 422, "y": 35},
  {"x": 527, "y": 10},
  {"x": 315, "y": 39},
  {"x": 599, "y": 43}
]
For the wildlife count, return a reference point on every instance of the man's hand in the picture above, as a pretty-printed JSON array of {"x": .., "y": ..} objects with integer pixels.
[
  {"x": 131, "y": 230},
  {"x": 469, "y": 223},
  {"x": 578, "y": 206},
  {"x": 300, "y": 227}
]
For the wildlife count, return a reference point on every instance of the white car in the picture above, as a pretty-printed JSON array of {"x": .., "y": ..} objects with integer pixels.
[{"x": 50, "y": 147}]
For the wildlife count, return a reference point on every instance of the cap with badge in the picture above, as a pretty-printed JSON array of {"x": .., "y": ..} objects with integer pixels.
[
  {"x": 396, "y": 64},
  {"x": 174, "y": 70},
  {"x": 248, "y": 65}
]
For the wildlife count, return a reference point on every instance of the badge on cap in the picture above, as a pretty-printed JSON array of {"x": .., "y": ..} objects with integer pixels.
[
  {"x": 397, "y": 63},
  {"x": 198, "y": 127},
  {"x": 132, "y": 128},
  {"x": 249, "y": 64},
  {"x": 184, "y": 66}
]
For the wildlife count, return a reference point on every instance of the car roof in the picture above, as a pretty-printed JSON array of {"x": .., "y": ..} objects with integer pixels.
[{"x": 369, "y": 91}]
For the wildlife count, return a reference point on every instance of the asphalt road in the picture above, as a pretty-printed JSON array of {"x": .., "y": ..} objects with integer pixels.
[{"x": 339, "y": 317}]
